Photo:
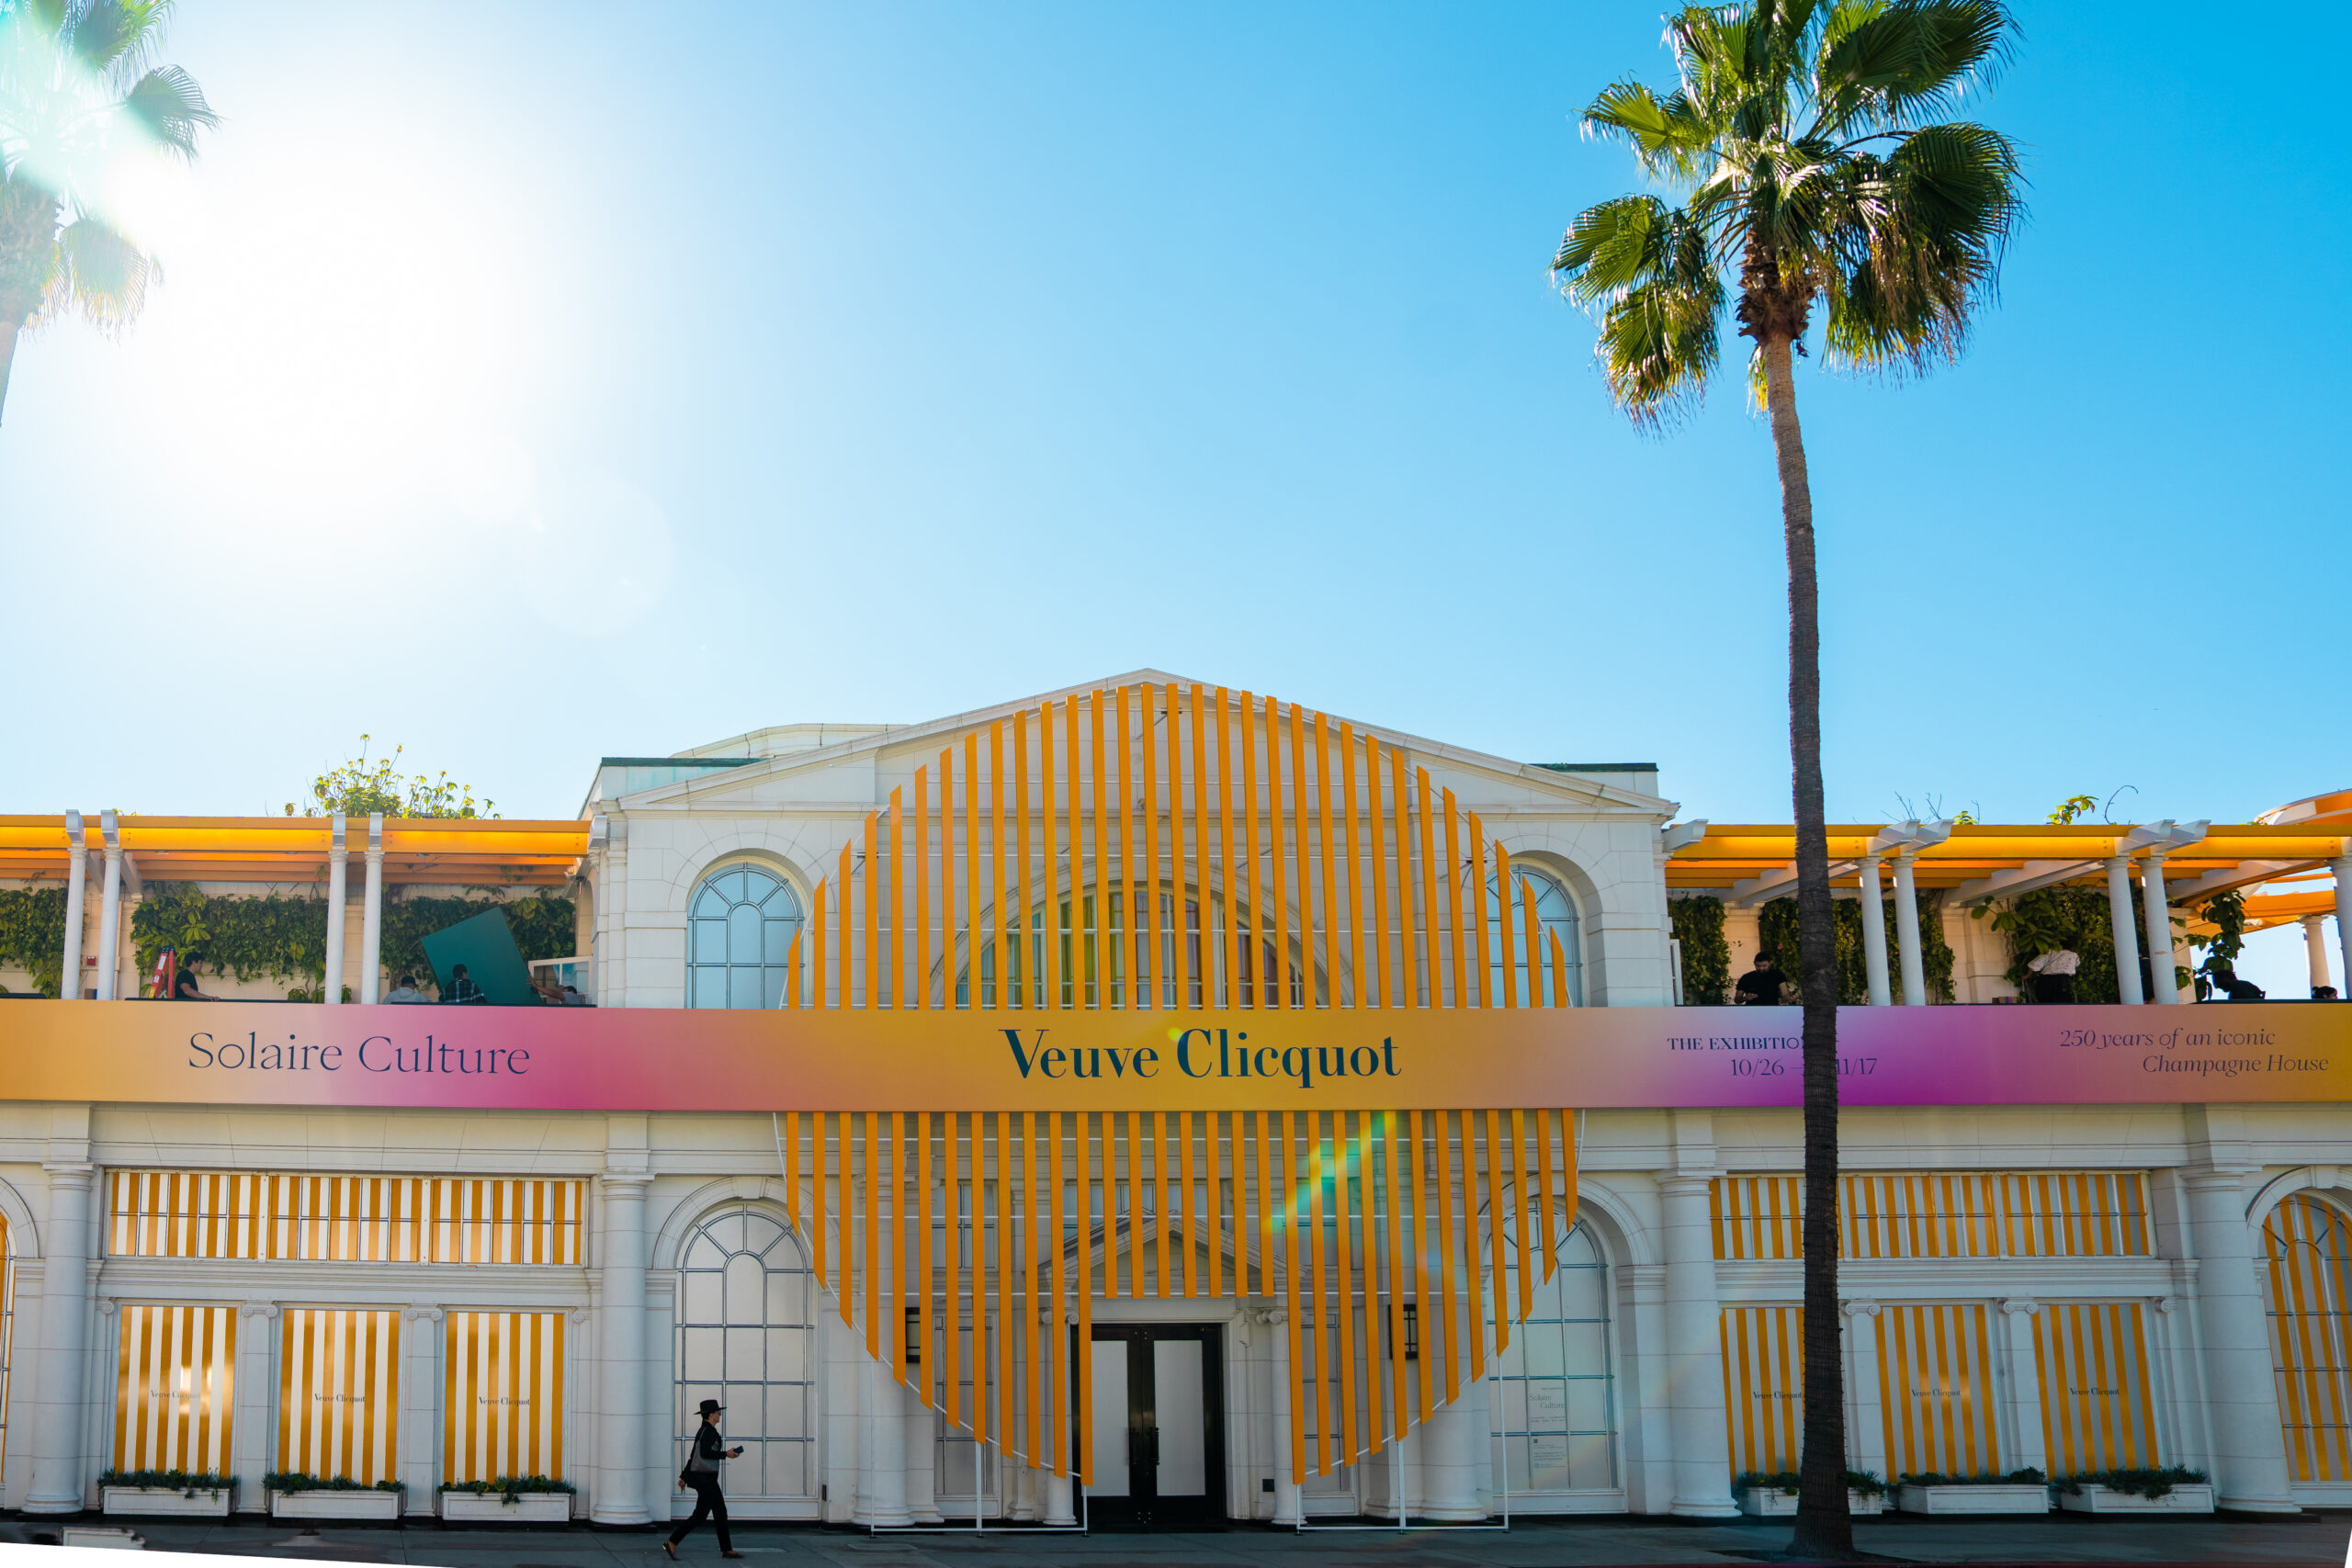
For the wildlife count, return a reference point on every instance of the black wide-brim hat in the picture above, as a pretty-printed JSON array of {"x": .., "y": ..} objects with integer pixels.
[{"x": 711, "y": 1407}]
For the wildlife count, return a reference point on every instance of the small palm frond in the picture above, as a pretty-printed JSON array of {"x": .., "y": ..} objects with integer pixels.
[
  {"x": 101, "y": 272},
  {"x": 1649, "y": 267},
  {"x": 170, "y": 106},
  {"x": 115, "y": 36},
  {"x": 1668, "y": 135}
]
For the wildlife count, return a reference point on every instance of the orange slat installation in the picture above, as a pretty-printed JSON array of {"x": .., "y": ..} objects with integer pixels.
[{"x": 1370, "y": 1227}]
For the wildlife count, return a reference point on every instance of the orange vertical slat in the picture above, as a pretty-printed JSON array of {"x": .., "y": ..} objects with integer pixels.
[
  {"x": 1343, "y": 1261},
  {"x": 1359, "y": 983},
  {"x": 998, "y": 879},
  {"x": 1278, "y": 809},
  {"x": 1224, "y": 851},
  {"x": 920, "y": 985},
  {"x": 1331, "y": 870},
  {"x": 1076, "y": 979},
  {"x": 1099, "y": 883},
  {"x": 922, "y": 1168},
  {"x": 1522, "y": 1206},
  {"x": 1049, "y": 897},
  {"x": 1559, "y": 973},
  {"x": 844, "y": 939},
  {"x": 873, "y": 922},
  {"x": 1029, "y": 1220},
  {"x": 981, "y": 1261},
  {"x": 947, "y": 879},
  {"x": 1532, "y": 924},
  {"x": 1375, "y": 818},
  {"x": 873, "y": 1239},
  {"x": 1391, "y": 1122},
  {"x": 1212, "y": 1189},
  {"x": 1478, "y": 914},
  {"x": 1148, "y": 968},
  {"x": 1186, "y": 1215},
  {"x": 1432, "y": 942},
  {"x": 1082, "y": 1364},
  {"x": 1007, "y": 1324},
  {"x": 1122, "y": 781},
  {"x": 1253, "y": 949},
  {"x": 951, "y": 1326},
  {"x": 1544, "y": 1183},
  {"x": 1507, "y": 956},
  {"x": 896, "y": 946},
  {"x": 1291, "y": 1204},
  {"x": 973, "y": 886},
  {"x": 1059, "y": 1425},
  {"x": 1024, "y": 953},
  {"x": 816, "y": 945}
]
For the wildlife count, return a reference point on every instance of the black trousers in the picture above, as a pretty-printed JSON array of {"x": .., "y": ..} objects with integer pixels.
[
  {"x": 708, "y": 1504},
  {"x": 2054, "y": 989}
]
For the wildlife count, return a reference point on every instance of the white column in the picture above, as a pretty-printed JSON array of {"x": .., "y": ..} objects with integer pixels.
[
  {"x": 922, "y": 1429},
  {"x": 1286, "y": 1504},
  {"x": 1452, "y": 1461},
  {"x": 110, "y": 909},
  {"x": 64, "y": 1353},
  {"x": 338, "y": 853},
  {"x": 2127, "y": 936},
  {"x": 77, "y": 878},
  {"x": 620, "y": 1341},
  {"x": 882, "y": 1470},
  {"x": 371, "y": 920},
  {"x": 2343, "y": 869},
  {"x": 249, "y": 1453},
  {"x": 2159, "y": 917},
  {"x": 2315, "y": 950},
  {"x": 1866, "y": 1434},
  {"x": 1694, "y": 1348},
  {"x": 2242, "y": 1403},
  {"x": 1906, "y": 931},
  {"x": 2024, "y": 1436},
  {"x": 1874, "y": 933}
]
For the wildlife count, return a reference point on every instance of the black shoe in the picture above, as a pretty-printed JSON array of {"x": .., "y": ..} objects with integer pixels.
[{"x": 672, "y": 1548}]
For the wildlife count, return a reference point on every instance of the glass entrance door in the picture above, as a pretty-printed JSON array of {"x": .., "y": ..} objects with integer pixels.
[{"x": 1158, "y": 1391}]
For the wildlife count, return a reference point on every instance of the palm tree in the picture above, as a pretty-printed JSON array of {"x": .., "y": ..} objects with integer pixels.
[
  {"x": 1806, "y": 146},
  {"x": 78, "y": 91}
]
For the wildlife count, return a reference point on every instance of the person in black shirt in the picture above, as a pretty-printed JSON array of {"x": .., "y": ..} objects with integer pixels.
[
  {"x": 185, "y": 989},
  {"x": 1761, "y": 987},
  {"x": 463, "y": 989},
  {"x": 702, "y": 1474}
]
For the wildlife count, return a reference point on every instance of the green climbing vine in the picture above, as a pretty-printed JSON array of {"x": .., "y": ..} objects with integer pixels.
[
  {"x": 283, "y": 937},
  {"x": 1777, "y": 929},
  {"x": 1706, "y": 953},
  {"x": 32, "y": 933},
  {"x": 2051, "y": 918}
]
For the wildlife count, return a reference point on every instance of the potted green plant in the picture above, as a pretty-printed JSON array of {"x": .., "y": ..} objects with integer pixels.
[
  {"x": 2175, "y": 1489},
  {"x": 1775, "y": 1496},
  {"x": 190, "y": 1494},
  {"x": 294, "y": 1495},
  {"x": 2025, "y": 1491},
  {"x": 514, "y": 1499}
]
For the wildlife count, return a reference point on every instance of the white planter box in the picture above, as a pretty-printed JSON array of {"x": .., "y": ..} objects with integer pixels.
[
  {"x": 95, "y": 1538},
  {"x": 530, "y": 1508},
  {"x": 329, "y": 1505},
  {"x": 2000, "y": 1498},
  {"x": 2188, "y": 1498},
  {"x": 1771, "y": 1503},
  {"x": 209, "y": 1504}
]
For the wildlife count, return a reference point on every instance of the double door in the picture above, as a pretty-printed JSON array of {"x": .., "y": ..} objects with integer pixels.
[{"x": 1158, "y": 1394}]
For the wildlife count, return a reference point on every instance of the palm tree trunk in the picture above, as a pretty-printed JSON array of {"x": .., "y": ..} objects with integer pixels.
[
  {"x": 1824, "y": 1527},
  {"x": 8, "y": 357}
]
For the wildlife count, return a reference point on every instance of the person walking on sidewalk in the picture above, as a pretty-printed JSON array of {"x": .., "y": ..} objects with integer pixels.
[{"x": 701, "y": 1473}]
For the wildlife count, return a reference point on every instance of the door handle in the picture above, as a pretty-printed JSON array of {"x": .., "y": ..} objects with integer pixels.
[{"x": 1151, "y": 1444}]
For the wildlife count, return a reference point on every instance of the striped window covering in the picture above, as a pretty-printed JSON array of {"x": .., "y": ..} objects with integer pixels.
[
  {"x": 2307, "y": 1248},
  {"x": 2075, "y": 1214},
  {"x": 1935, "y": 1214},
  {"x": 338, "y": 1392},
  {"x": 7, "y": 1327},
  {"x": 1763, "y": 1386},
  {"x": 175, "y": 1387},
  {"x": 503, "y": 1399},
  {"x": 2097, "y": 1409},
  {"x": 1934, "y": 1379},
  {"x": 344, "y": 1219}
]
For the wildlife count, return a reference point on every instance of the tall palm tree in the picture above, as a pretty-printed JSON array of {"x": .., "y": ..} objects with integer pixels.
[
  {"x": 1805, "y": 149},
  {"x": 79, "y": 89}
]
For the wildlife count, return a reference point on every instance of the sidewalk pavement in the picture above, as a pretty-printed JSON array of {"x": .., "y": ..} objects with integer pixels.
[{"x": 2312, "y": 1539}]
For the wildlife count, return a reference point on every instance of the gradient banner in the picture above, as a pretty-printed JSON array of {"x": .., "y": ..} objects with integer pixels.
[{"x": 651, "y": 1059}]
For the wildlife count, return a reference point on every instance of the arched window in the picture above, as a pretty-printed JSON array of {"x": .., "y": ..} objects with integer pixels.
[
  {"x": 1558, "y": 1430},
  {"x": 744, "y": 1340},
  {"x": 1554, "y": 916},
  {"x": 739, "y": 928}
]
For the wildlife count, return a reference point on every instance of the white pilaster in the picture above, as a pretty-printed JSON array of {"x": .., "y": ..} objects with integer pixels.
[
  {"x": 921, "y": 1430},
  {"x": 110, "y": 909},
  {"x": 371, "y": 922},
  {"x": 1866, "y": 1425},
  {"x": 1285, "y": 1394},
  {"x": 620, "y": 1342},
  {"x": 249, "y": 1453},
  {"x": 63, "y": 1355},
  {"x": 77, "y": 880},
  {"x": 420, "y": 1428},
  {"x": 1906, "y": 931},
  {"x": 1694, "y": 1348},
  {"x": 1874, "y": 933},
  {"x": 2249, "y": 1451},
  {"x": 2023, "y": 1375},
  {"x": 2161, "y": 985},
  {"x": 882, "y": 1468},
  {"x": 1454, "y": 1460},
  {"x": 2127, "y": 936},
  {"x": 338, "y": 853}
]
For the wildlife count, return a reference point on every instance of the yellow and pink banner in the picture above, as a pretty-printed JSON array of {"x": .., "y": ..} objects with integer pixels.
[{"x": 658, "y": 1059}]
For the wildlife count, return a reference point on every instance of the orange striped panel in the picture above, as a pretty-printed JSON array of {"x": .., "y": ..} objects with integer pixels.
[
  {"x": 1935, "y": 1370},
  {"x": 346, "y": 1219},
  {"x": 2096, "y": 1410},
  {"x": 503, "y": 1396},
  {"x": 175, "y": 1387},
  {"x": 2307, "y": 1258},
  {"x": 1763, "y": 1386},
  {"x": 1943, "y": 1214},
  {"x": 338, "y": 1384}
]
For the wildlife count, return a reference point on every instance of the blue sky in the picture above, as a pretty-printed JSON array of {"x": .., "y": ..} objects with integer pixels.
[{"x": 532, "y": 383}]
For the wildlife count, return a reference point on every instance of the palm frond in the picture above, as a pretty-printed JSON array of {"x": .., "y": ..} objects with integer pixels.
[
  {"x": 1908, "y": 60},
  {"x": 1658, "y": 345},
  {"x": 115, "y": 36},
  {"x": 170, "y": 106},
  {"x": 101, "y": 272},
  {"x": 1667, "y": 134}
]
